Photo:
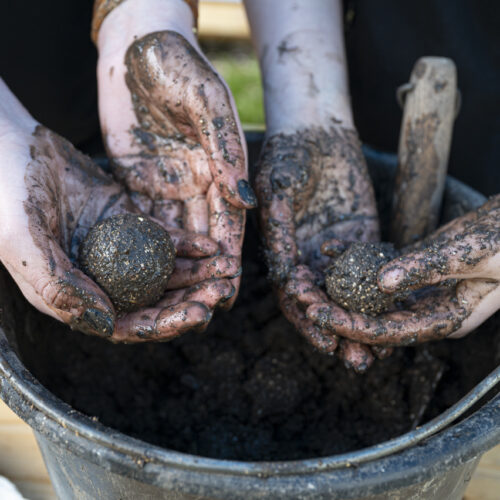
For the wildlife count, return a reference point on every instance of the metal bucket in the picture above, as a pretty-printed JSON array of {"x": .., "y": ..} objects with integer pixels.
[{"x": 87, "y": 460}]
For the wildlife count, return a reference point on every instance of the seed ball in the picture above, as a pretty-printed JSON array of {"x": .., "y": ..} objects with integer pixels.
[
  {"x": 351, "y": 281},
  {"x": 131, "y": 258}
]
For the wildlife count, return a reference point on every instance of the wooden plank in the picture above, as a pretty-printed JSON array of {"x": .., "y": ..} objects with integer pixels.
[
  {"x": 485, "y": 483},
  {"x": 20, "y": 459},
  {"x": 424, "y": 147},
  {"x": 223, "y": 20}
]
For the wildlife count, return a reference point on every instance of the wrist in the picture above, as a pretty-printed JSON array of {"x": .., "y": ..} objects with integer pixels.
[
  {"x": 305, "y": 83},
  {"x": 133, "y": 19},
  {"x": 287, "y": 112}
]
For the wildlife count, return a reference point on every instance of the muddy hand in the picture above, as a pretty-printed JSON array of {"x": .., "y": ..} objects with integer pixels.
[
  {"x": 312, "y": 181},
  {"x": 462, "y": 260},
  {"x": 52, "y": 196},
  {"x": 172, "y": 130},
  {"x": 313, "y": 186}
]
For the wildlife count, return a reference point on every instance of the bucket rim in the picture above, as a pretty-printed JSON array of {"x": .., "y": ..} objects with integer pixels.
[{"x": 35, "y": 404}]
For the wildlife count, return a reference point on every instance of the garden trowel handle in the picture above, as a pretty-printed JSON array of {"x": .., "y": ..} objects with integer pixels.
[{"x": 430, "y": 106}]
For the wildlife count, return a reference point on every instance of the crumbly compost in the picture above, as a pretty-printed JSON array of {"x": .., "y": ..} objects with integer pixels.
[
  {"x": 131, "y": 258},
  {"x": 351, "y": 280}
]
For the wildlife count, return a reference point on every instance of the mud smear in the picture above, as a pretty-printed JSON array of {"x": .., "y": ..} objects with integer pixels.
[
  {"x": 475, "y": 237},
  {"x": 66, "y": 193},
  {"x": 51, "y": 208},
  {"x": 177, "y": 119},
  {"x": 131, "y": 258}
]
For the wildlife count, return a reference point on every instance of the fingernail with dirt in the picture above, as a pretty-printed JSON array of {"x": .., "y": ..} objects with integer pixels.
[
  {"x": 246, "y": 193},
  {"x": 361, "y": 368},
  {"x": 202, "y": 325},
  {"x": 237, "y": 273},
  {"x": 229, "y": 296},
  {"x": 95, "y": 322}
]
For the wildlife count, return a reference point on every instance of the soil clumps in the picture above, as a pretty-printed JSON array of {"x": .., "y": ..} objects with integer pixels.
[
  {"x": 351, "y": 280},
  {"x": 131, "y": 258}
]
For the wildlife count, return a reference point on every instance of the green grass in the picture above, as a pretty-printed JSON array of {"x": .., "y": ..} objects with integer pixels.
[{"x": 243, "y": 77}]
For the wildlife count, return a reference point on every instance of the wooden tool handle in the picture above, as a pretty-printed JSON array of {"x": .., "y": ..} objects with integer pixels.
[{"x": 424, "y": 147}]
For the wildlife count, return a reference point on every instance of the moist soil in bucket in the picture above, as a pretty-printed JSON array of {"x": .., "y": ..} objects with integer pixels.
[{"x": 251, "y": 388}]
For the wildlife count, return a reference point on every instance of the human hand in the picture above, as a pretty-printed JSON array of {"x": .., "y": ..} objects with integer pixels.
[
  {"x": 462, "y": 258},
  {"x": 312, "y": 182},
  {"x": 313, "y": 186},
  {"x": 170, "y": 124},
  {"x": 51, "y": 195}
]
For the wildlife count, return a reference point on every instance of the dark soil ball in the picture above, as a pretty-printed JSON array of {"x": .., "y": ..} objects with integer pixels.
[
  {"x": 351, "y": 281},
  {"x": 131, "y": 258}
]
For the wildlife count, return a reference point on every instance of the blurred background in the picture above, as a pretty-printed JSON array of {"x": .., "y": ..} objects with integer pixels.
[{"x": 225, "y": 38}]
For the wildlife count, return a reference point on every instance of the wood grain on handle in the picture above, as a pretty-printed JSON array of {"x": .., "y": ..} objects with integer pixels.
[{"x": 424, "y": 147}]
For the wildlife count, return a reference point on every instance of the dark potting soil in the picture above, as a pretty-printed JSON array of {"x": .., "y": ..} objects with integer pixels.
[{"x": 251, "y": 387}]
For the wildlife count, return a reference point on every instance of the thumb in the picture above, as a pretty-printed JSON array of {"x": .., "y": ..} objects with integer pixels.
[{"x": 69, "y": 294}]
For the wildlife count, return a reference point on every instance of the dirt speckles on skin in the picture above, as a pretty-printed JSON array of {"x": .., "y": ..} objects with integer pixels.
[
  {"x": 250, "y": 387},
  {"x": 285, "y": 48},
  {"x": 316, "y": 176}
]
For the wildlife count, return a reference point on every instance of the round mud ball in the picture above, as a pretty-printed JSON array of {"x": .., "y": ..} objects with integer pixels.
[
  {"x": 131, "y": 258},
  {"x": 351, "y": 281}
]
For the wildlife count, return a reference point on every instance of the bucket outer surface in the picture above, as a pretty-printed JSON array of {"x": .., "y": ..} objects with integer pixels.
[{"x": 78, "y": 479}]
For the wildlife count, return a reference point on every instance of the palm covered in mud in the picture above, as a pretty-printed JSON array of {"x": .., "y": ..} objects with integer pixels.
[
  {"x": 313, "y": 186},
  {"x": 178, "y": 146},
  {"x": 65, "y": 194}
]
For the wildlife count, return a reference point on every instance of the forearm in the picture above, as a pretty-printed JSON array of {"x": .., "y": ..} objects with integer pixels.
[
  {"x": 133, "y": 19},
  {"x": 13, "y": 115},
  {"x": 302, "y": 58}
]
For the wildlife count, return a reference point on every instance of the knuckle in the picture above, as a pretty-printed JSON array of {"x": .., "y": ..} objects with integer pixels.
[
  {"x": 292, "y": 179},
  {"x": 53, "y": 292}
]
